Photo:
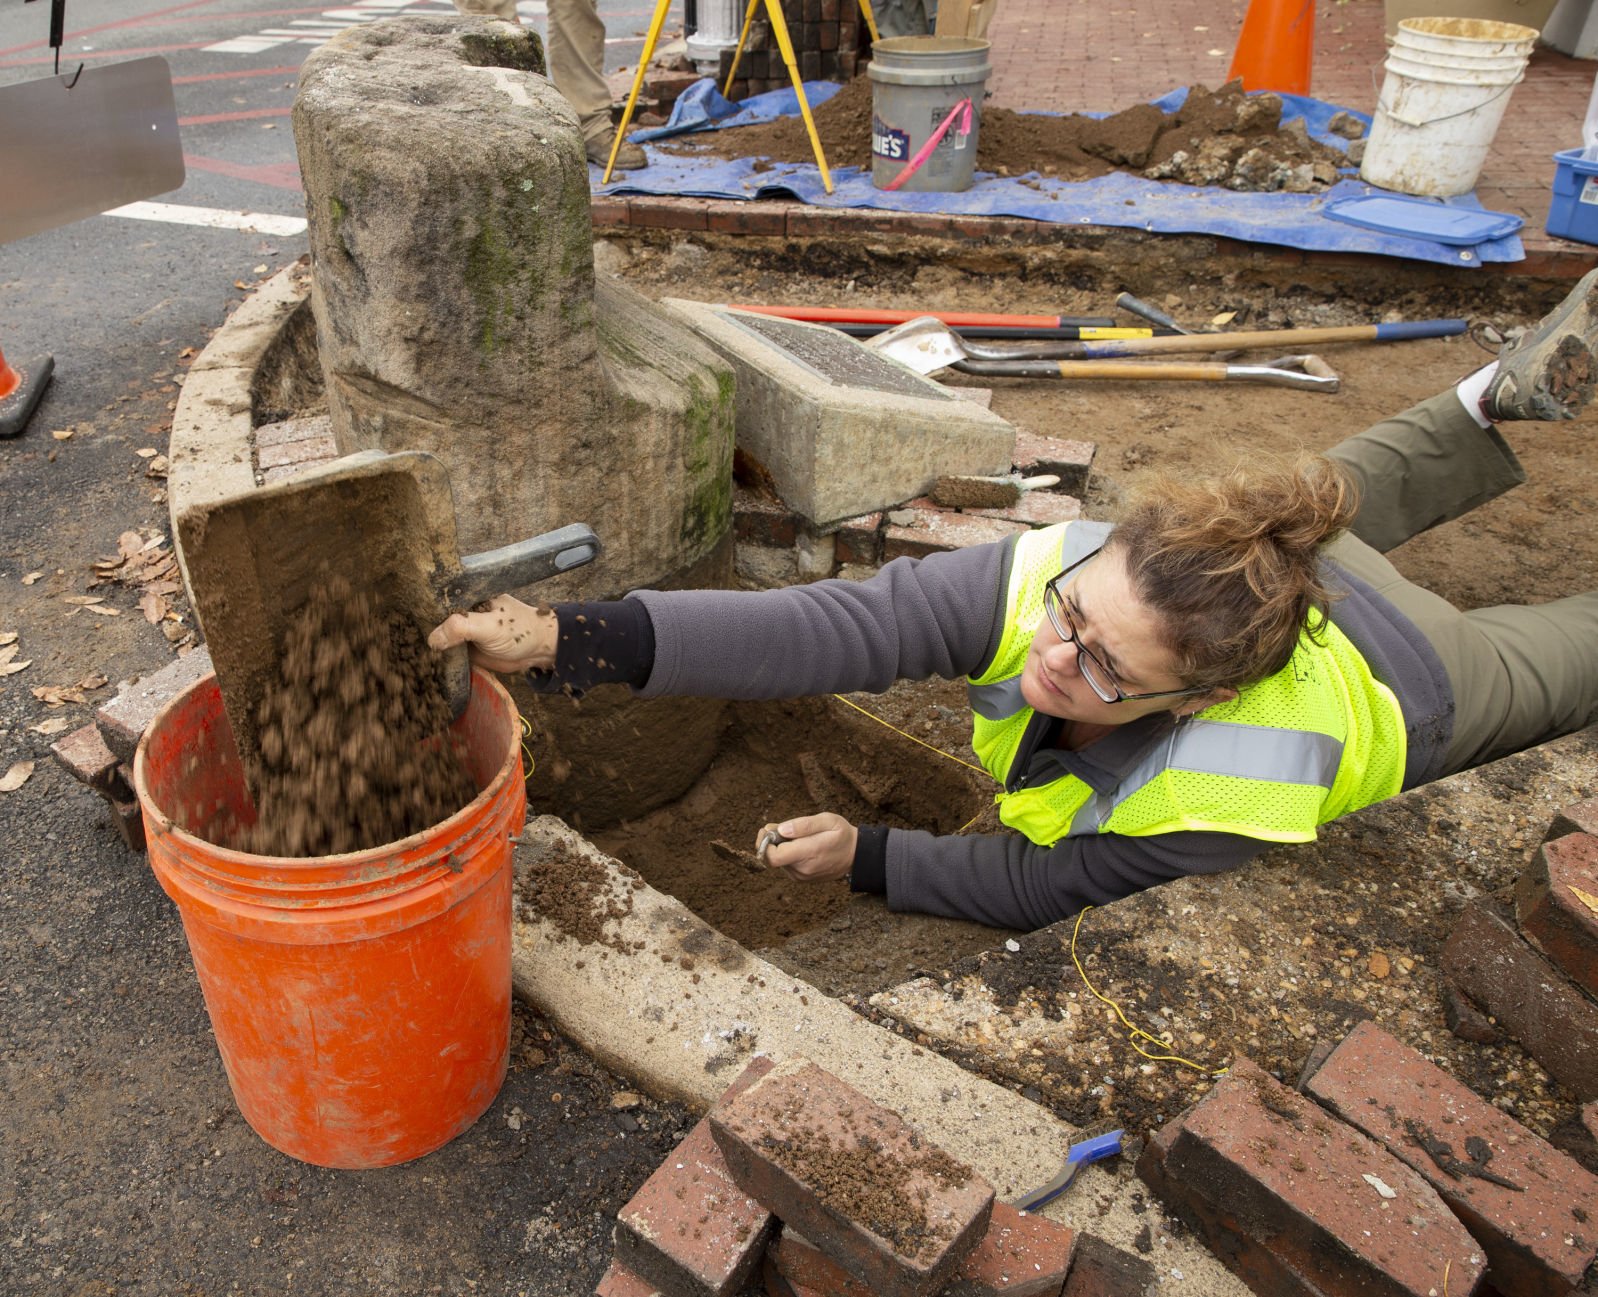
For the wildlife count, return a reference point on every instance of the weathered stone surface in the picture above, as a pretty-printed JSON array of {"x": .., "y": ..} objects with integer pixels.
[
  {"x": 1277, "y": 1187},
  {"x": 1521, "y": 1199},
  {"x": 124, "y": 719},
  {"x": 841, "y": 430}
]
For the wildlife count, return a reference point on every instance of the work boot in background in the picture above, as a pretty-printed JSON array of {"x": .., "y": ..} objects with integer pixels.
[
  {"x": 1551, "y": 371},
  {"x": 596, "y": 143}
]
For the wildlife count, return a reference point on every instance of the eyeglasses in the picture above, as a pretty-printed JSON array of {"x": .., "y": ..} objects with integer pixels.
[{"x": 1099, "y": 677}]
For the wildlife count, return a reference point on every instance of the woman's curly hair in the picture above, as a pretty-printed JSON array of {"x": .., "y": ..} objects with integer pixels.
[{"x": 1231, "y": 565}]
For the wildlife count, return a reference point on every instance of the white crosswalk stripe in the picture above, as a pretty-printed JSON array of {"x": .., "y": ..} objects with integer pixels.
[{"x": 316, "y": 31}]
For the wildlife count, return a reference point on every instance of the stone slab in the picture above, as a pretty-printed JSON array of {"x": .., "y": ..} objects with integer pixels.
[
  {"x": 1277, "y": 1187},
  {"x": 842, "y": 430},
  {"x": 124, "y": 719},
  {"x": 890, "y": 1207},
  {"x": 1488, "y": 960},
  {"x": 689, "y": 1229},
  {"x": 1556, "y": 904},
  {"x": 1521, "y": 1198}
]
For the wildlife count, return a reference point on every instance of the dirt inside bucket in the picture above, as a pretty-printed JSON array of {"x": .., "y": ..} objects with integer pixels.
[
  {"x": 1222, "y": 137},
  {"x": 354, "y": 733}
]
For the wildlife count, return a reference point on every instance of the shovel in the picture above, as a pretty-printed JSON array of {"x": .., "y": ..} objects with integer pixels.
[
  {"x": 386, "y": 523},
  {"x": 926, "y": 345}
]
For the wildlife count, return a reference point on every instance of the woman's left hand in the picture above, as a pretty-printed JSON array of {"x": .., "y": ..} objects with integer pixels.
[{"x": 818, "y": 847}]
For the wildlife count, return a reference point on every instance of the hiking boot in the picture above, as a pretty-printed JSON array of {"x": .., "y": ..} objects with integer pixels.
[
  {"x": 629, "y": 157},
  {"x": 1550, "y": 371}
]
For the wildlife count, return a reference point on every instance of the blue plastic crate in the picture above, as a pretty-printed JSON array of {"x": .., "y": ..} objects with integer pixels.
[{"x": 1573, "y": 214}]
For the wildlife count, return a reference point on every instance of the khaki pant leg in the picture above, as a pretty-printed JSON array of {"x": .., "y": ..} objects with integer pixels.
[
  {"x": 1423, "y": 467},
  {"x": 489, "y": 8},
  {"x": 577, "y": 64}
]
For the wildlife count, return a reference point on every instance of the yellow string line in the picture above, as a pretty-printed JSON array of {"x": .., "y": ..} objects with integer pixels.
[
  {"x": 1136, "y": 1031},
  {"x": 911, "y": 737}
]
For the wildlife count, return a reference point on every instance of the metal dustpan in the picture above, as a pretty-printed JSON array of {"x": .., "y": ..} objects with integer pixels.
[{"x": 386, "y": 523}]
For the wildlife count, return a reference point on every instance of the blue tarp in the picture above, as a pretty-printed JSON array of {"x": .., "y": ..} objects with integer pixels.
[{"x": 1118, "y": 199}]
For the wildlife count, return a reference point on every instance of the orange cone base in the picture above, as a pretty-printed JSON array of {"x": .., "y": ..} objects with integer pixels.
[{"x": 17, "y": 408}]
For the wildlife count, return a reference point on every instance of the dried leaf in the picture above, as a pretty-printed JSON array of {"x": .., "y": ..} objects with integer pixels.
[
  {"x": 52, "y": 726},
  {"x": 187, "y": 352},
  {"x": 11, "y": 668},
  {"x": 259, "y": 270},
  {"x": 153, "y": 606},
  {"x": 157, "y": 467},
  {"x": 146, "y": 452},
  {"x": 58, "y": 695},
  {"x": 239, "y": 283},
  {"x": 1379, "y": 965},
  {"x": 130, "y": 543},
  {"x": 8, "y": 637},
  {"x": 62, "y": 434},
  {"x": 1380, "y": 1185},
  {"x": 31, "y": 578},
  {"x": 92, "y": 681},
  {"x": 104, "y": 611},
  {"x": 1225, "y": 317},
  {"x": 83, "y": 598},
  {"x": 1586, "y": 898},
  {"x": 15, "y": 777}
]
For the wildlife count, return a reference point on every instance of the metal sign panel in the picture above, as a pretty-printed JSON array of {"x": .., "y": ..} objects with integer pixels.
[{"x": 66, "y": 153}]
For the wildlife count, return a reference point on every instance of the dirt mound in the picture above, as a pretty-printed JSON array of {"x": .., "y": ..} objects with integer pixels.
[
  {"x": 1221, "y": 137},
  {"x": 354, "y": 744}
]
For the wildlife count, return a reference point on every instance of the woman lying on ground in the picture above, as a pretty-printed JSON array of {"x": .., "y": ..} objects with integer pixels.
[{"x": 1232, "y": 665}]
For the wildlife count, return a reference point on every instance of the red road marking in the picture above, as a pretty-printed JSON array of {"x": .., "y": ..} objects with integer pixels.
[
  {"x": 280, "y": 175},
  {"x": 244, "y": 114},
  {"x": 120, "y": 22},
  {"x": 231, "y": 76}
]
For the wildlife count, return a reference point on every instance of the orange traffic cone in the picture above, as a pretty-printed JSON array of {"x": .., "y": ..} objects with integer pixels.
[
  {"x": 1276, "y": 46},
  {"x": 20, "y": 390}
]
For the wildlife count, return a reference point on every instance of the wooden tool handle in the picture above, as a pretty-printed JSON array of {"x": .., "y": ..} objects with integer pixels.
[{"x": 1200, "y": 371}]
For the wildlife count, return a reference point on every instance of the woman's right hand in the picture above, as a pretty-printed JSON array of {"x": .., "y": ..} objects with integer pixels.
[
  {"x": 504, "y": 634},
  {"x": 812, "y": 847}
]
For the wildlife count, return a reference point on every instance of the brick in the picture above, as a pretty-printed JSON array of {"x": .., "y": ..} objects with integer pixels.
[
  {"x": 900, "y": 1217},
  {"x": 807, "y": 1268},
  {"x": 605, "y": 211},
  {"x": 729, "y": 216},
  {"x": 1020, "y": 1256},
  {"x": 1553, "y": 916},
  {"x": 810, "y": 65},
  {"x": 667, "y": 213},
  {"x": 1275, "y": 1187},
  {"x": 859, "y": 540},
  {"x": 927, "y": 531},
  {"x": 1071, "y": 460},
  {"x": 1539, "y": 1241},
  {"x": 689, "y": 1229},
  {"x": 1580, "y": 818},
  {"x": 129, "y": 822},
  {"x": 1465, "y": 1019},
  {"x": 1037, "y": 509},
  {"x": 831, "y": 10},
  {"x": 1100, "y": 1269},
  {"x": 294, "y": 453},
  {"x": 124, "y": 719},
  {"x": 290, "y": 430},
  {"x": 667, "y": 86},
  {"x": 86, "y": 758},
  {"x": 1534, "y": 1002},
  {"x": 619, "y": 1281},
  {"x": 757, "y": 520},
  {"x": 827, "y": 37}
]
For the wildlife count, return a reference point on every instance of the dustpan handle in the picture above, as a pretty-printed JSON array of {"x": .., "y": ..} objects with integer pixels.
[{"x": 510, "y": 567}]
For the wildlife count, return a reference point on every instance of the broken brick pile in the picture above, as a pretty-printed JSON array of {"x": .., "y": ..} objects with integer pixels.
[
  {"x": 1526, "y": 964},
  {"x": 1384, "y": 1175},
  {"x": 798, "y": 1175}
]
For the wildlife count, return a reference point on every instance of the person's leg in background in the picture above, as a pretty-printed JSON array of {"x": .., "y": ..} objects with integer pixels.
[
  {"x": 1521, "y": 674},
  {"x": 505, "y": 9},
  {"x": 576, "y": 56}
]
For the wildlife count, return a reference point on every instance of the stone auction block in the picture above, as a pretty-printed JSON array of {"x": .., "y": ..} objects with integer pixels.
[
  {"x": 841, "y": 430},
  {"x": 1521, "y": 1198},
  {"x": 1297, "y": 1203},
  {"x": 690, "y": 1230},
  {"x": 1556, "y": 902},
  {"x": 1489, "y": 961},
  {"x": 893, "y": 1210}
]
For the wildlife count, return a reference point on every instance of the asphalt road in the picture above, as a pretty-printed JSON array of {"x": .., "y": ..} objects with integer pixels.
[{"x": 124, "y": 1166}]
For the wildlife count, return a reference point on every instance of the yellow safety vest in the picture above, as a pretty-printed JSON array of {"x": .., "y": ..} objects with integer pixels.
[{"x": 1318, "y": 739}]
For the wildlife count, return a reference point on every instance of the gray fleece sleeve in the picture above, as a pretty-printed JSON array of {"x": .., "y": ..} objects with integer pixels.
[
  {"x": 1008, "y": 882},
  {"x": 916, "y": 618}
]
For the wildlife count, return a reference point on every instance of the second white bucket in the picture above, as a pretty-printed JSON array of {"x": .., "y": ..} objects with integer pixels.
[
  {"x": 1447, "y": 87},
  {"x": 916, "y": 83}
]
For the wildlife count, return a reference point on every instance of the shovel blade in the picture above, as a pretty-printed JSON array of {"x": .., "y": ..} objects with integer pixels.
[{"x": 925, "y": 344}]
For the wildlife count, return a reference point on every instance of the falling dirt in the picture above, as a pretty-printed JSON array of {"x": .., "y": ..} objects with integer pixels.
[
  {"x": 355, "y": 750},
  {"x": 1221, "y": 137}
]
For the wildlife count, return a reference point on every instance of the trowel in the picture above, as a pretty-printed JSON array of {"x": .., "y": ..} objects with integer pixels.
[{"x": 386, "y": 523}]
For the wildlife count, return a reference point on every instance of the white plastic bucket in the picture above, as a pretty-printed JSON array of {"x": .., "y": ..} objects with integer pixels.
[
  {"x": 1447, "y": 87},
  {"x": 916, "y": 83}
]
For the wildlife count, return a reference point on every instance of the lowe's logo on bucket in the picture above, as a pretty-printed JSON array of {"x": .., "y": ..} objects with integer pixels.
[{"x": 889, "y": 143}]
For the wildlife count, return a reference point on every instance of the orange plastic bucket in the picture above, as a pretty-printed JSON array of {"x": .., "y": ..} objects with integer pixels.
[{"x": 361, "y": 1003}]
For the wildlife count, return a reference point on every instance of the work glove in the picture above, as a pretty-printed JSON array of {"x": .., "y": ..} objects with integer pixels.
[
  {"x": 503, "y": 634},
  {"x": 810, "y": 848}
]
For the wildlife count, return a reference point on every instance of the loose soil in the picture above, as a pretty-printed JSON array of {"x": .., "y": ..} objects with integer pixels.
[
  {"x": 1221, "y": 137},
  {"x": 355, "y": 748}
]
